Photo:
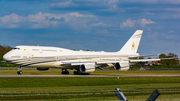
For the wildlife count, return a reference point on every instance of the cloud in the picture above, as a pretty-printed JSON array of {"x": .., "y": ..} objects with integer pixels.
[
  {"x": 154, "y": 35},
  {"x": 128, "y": 23},
  {"x": 169, "y": 35},
  {"x": 80, "y": 5},
  {"x": 100, "y": 1},
  {"x": 100, "y": 24},
  {"x": 171, "y": 31},
  {"x": 141, "y": 22},
  {"x": 53, "y": 19},
  {"x": 98, "y": 7},
  {"x": 79, "y": 15},
  {"x": 11, "y": 21},
  {"x": 42, "y": 20},
  {"x": 152, "y": 1}
]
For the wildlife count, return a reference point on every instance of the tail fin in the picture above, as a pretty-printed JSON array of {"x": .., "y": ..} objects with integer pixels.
[{"x": 132, "y": 44}]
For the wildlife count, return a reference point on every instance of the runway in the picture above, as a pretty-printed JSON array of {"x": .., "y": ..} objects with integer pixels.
[{"x": 92, "y": 75}]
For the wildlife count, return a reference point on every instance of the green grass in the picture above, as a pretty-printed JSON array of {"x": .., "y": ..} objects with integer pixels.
[
  {"x": 86, "y": 89},
  {"x": 97, "y": 88},
  {"x": 90, "y": 81},
  {"x": 106, "y": 71}
]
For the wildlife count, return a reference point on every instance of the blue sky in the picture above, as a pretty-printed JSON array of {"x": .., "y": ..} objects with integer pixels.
[{"x": 97, "y": 25}]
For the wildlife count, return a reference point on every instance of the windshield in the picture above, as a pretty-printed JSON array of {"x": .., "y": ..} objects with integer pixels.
[{"x": 17, "y": 48}]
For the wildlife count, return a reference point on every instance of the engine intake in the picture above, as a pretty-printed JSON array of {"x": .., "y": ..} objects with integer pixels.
[
  {"x": 121, "y": 66},
  {"x": 87, "y": 68}
]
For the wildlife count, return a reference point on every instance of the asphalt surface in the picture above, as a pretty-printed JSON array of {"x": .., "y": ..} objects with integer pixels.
[{"x": 93, "y": 75}]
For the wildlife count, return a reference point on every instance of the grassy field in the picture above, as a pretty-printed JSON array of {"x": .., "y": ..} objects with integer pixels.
[
  {"x": 105, "y": 71},
  {"x": 68, "y": 89},
  {"x": 87, "y": 89}
]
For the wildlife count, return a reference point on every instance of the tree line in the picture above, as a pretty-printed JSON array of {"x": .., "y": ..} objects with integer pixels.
[{"x": 173, "y": 61}]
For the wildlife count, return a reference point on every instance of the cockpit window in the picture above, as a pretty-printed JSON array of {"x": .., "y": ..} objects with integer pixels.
[{"x": 17, "y": 48}]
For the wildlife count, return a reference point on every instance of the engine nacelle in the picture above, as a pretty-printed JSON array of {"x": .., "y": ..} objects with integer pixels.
[
  {"x": 42, "y": 69},
  {"x": 87, "y": 68},
  {"x": 121, "y": 66}
]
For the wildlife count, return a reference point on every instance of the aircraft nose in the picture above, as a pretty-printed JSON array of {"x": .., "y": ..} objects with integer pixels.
[{"x": 6, "y": 57}]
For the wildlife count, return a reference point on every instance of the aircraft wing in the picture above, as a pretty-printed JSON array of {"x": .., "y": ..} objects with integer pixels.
[
  {"x": 144, "y": 60},
  {"x": 96, "y": 62},
  {"x": 111, "y": 62},
  {"x": 144, "y": 55},
  {"x": 108, "y": 62}
]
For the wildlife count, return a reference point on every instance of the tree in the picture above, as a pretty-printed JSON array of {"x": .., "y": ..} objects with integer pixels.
[
  {"x": 163, "y": 62},
  {"x": 174, "y": 61},
  {"x": 4, "y": 50}
]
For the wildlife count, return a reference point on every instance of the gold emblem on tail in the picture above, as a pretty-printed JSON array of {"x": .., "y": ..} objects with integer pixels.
[{"x": 133, "y": 46}]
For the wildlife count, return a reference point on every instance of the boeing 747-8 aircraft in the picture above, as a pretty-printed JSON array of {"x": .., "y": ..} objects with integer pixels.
[{"x": 84, "y": 62}]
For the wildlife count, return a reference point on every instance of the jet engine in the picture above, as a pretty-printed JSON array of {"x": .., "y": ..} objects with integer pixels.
[
  {"x": 121, "y": 66},
  {"x": 42, "y": 69},
  {"x": 87, "y": 68}
]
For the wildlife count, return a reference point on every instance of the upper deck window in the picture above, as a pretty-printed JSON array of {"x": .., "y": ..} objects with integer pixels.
[{"x": 50, "y": 50}]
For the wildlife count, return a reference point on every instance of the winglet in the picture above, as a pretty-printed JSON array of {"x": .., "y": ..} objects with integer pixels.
[{"x": 132, "y": 44}]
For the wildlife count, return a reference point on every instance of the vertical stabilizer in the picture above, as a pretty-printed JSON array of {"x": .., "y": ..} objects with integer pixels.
[{"x": 132, "y": 44}]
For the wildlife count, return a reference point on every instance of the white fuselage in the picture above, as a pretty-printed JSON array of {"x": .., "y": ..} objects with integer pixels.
[{"x": 53, "y": 57}]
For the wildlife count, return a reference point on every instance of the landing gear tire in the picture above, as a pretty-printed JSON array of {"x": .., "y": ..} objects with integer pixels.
[
  {"x": 64, "y": 72},
  {"x": 76, "y": 73},
  {"x": 85, "y": 74},
  {"x": 19, "y": 72},
  {"x": 79, "y": 73}
]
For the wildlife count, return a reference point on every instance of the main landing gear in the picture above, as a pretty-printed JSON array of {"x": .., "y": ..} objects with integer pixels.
[
  {"x": 64, "y": 71},
  {"x": 80, "y": 73},
  {"x": 19, "y": 72}
]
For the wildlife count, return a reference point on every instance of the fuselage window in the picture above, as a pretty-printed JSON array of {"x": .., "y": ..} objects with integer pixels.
[
  {"x": 35, "y": 49},
  {"x": 15, "y": 56},
  {"x": 24, "y": 56},
  {"x": 50, "y": 50}
]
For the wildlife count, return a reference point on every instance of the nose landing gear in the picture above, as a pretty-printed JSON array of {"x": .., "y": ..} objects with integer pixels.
[{"x": 19, "y": 72}]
